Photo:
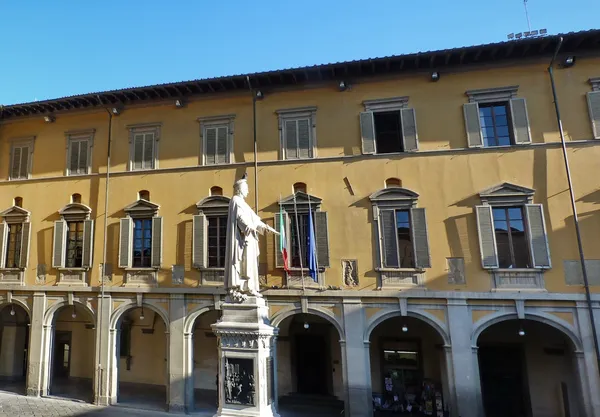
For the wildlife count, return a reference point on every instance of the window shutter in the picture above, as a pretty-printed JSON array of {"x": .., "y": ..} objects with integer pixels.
[
  {"x": 594, "y": 108},
  {"x": 60, "y": 236},
  {"x": 304, "y": 148},
  {"x": 418, "y": 228},
  {"x": 3, "y": 243},
  {"x": 199, "y": 240},
  {"x": 125, "y": 241},
  {"x": 157, "y": 229},
  {"x": 520, "y": 121},
  {"x": 211, "y": 146},
  {"x": 291, "y": 140},
  {"x": 149, "y": 151},
  {"x": 83, "y": 157},
  {"x": 25, "y": 238},
  {"x": 409, "y": 130},
  {"x": 367, "y": 132},
  {"x": 487, "y": 237},
  {"x": 473, "y": 125},
  {"x": 15, "y": 163},
  {"x": 222, "y": 154},
  {"x": 538, "y": 238},
  {"x": 138, "y": 151},
  {"x": 24, "y": 165},
  {"x": 73, "y": 157},
  {"x": 278, "y": 253},
  {"x": 88, "y": 243},
  {"x": 390, "y": 242},
  {"x": 322, "y": 238}
]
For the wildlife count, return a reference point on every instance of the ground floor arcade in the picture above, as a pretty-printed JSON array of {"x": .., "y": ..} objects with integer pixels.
[{"x": 395, "y": 354}]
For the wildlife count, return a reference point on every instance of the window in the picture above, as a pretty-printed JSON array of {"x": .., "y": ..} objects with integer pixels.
[
  {"x": 297, "y": 132},
  {"x": 142, "y": 243},
  {"x": 144, "y": 195},
  {"x": 73, "y": 237},
  {"x": 20, "y": 159},
  {"x": 79, "y": 151},
  {"x": 593, "y": 99},
  {"x": 216, "y": 190},
  {"x": 496, "y": 117},
  {"x": 217, "y": 234},
  {"x": 397, "y": 239},
  {"x": 144, "y": 147},
  {"x": 300, "y": 186},
  {"x": 76, "y": 198},
  {"x": 74, "y": 244},
  {"x": 13, "y": 245},
  {"x": 18, "y": 201},
  {"x": 510, "y": 237},
  {"x": 217, "y": 139},
  {"x": 388, "y": 126},
  {"x": 393, "y": 182},
  {"x": 299, "y": 242}
]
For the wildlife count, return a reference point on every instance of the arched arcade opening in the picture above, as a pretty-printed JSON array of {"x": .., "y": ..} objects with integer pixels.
[{"x": 14, "y": 346}]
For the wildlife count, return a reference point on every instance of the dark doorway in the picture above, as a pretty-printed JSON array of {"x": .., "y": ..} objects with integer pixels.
[
  {"x": 503, "y": 381},
  {"x": 62, "y": 355},
  {"x": 311, "y": 364}
]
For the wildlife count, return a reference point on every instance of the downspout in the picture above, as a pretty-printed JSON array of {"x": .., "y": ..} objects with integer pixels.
[
  {"x": 101, "y": 374},
  {"x": 573, "y": 207},
  {"x": 255, "y": 145}
]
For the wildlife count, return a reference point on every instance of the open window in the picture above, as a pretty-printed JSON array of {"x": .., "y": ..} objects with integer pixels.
[
  {"x": 388, "y": 126},
  {"x": 15, "y": 235},
  {"x": 593, "y": 99}
]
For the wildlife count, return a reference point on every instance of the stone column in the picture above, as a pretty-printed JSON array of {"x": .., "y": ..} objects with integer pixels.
[
  {"x": 356, "y": 367},
  {"x": 36, "y": 345},
  {"x": 103, "y": 351},
  {"x": 188, "y": 359},
  {"x": 114, "y": 355},
  {"x": 467, "y": 386},
  {"x": 176, "y": 351}
]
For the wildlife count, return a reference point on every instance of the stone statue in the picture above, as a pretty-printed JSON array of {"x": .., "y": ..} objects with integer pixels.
[{"x": 241, "y": 253}]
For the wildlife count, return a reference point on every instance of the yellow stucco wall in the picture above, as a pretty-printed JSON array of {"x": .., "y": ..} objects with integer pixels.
[{"x": 448, "y": 182}]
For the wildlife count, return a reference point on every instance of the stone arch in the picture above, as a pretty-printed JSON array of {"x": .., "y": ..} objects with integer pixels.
[
  {"x": 560, "y": 325},
  {"x": 430, "y": 319},
  {"x": 280, "y": 316},
  {"x": 117, "y": 314},
  {"x": 19, "y": 303},
  {"x": 51, "y": 311},
  {"x": 188, "y": 325}
]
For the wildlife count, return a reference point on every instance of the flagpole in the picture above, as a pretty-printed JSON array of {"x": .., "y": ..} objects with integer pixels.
[
  {"x": 314, "y": 232},
  {"x": 298, "y": 238}
]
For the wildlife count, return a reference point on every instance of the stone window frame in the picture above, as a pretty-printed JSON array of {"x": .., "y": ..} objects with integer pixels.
[
  {"x": 228, "y": 121},
  {"x": 73, "y": 276},
  {"x": 516, "y": 106},
  {"x": 511, "y": 195},
  {"x": 154, "y": 128},
  {"x": 298, "y": 113},
  {"x": 79, "y": 135},
  {"x": 399, "y": 198},
  {"x": 211, "y": 206},
  {"x": 28, "y": 142},
  {"x": 10, "y": 216},
  {"x": 593, "y": 100},
  {"x": 140, "y": 276}
]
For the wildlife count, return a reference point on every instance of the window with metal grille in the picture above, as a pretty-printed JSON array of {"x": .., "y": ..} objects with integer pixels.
[
  {"x": 142, "y": 243},
  {"x": 511, "y": 238},
  {"x": 74, "y": 258},
  {"x": 217, "y": 235},
  {"x": 495, "y": 124},
  {"x": 13, "y": 249}
]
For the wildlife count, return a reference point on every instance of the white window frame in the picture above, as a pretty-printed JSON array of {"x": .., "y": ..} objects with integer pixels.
[
  {"x": 80, "y": 136},
  {"x": 299, "y": 113},
  {"x": 147, "y": 128},
  {"x": 21, "y": 143},
  {"x": 217, "y": 122}
]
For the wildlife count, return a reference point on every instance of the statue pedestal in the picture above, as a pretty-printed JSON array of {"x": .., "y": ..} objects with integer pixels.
[{"x": 246, "y": 360}]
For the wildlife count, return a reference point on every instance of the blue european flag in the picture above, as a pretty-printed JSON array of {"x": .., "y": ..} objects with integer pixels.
[{"x": 312, "y": 249}]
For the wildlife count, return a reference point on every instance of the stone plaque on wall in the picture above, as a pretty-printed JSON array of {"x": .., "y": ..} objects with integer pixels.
[
  {"x": 177, "y": 273},
  {"x": 456, "y": 270},
  {"x": 239, "y": 381},
  {"x": 41, "y": 274},
  {"x": 350, "y": 272}
]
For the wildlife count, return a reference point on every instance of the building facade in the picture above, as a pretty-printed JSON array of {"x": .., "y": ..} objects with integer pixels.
[{"x": 449, "y": 274}]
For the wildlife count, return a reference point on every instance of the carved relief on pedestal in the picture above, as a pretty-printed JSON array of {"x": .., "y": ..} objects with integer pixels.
[
  {"x": 239, "y": 381},
  {"x": 350, "y": 272}
]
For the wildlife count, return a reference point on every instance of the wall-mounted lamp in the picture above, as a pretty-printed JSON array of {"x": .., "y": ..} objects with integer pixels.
[
  {"x": 259, "y": 95},
  {"x": 179, "y": 103},
  {"x": 435, "y": 76},
  {"x": 49, "y": 119},
  {"x": 12, "y": 310},
  {"x": 569, "y": 61},
  {"x": 404, "y": 328},
  {"x": 116, "y": 111},
  {"x": 343, "y": 85},
  {"x": 521, "y": 332},
  {"x": 306, "y": 326},
  {"x": 74, "y": 315}
]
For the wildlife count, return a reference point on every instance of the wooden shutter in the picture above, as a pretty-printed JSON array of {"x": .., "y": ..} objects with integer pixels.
[
  {"x": 88, "y": 244},
  {"x": 538, "y": 238},
  {"x": 520, "y": 121},
  {"x": 148, "y": 151},
  {"x": 83, "y": 157},
  {"x": 157, "y": 231},
  {"x": 420, "y": 241},
  {"x": 199, "y": 240},
  {"x": 125, "y": 242},
  {"x": 211, "y": 146},
  {"x": 222, "y": 156},
  {"x": 15, "y": 162},
  {"x": 138, "y": 151},
  {"x": 290, "y": 140},
  {"x": 322, "y": 238},
  {"x": 3, "y": 243},
  {"x": 473, "y": 125},
  {"x": 60, "y": 237},
  {"x": 25, "y": 239},
  {"x": 74, "y": 157},
  {"x": 24, "y": 165},
  {"x": 487, "y": 237},
  {"x": 410, "y": 138},
  {"x": 367, "y": 132},
  {"x": 593, "y": 98},
  {"x": 388, "y": 230},
  {"x": 278, "y": 253},
  {"x": 304, "y": 147}
]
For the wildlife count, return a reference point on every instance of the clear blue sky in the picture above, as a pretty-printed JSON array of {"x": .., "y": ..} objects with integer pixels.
[{"x": 55, "y": 48}]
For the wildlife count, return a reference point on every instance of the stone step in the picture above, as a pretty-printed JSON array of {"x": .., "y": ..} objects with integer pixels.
[{"x": 311, "y": 401}]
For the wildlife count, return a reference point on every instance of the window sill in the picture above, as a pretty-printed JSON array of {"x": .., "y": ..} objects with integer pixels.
[
  {"x": 70, "y": 174},
  {"x": 518, "y": 270},
  {"x": 66, "y": 268},
  {"x": 142, "y": 268},
  {"x": 416, "y": 270}
]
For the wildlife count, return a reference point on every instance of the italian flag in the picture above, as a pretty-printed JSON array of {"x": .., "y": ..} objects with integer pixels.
[{"x": 283, "y": 240}]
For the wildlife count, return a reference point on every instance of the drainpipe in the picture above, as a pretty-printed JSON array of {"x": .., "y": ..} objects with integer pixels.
[
  {"x": 255, "y": 145},
  {"x": 573, "y": 207}
]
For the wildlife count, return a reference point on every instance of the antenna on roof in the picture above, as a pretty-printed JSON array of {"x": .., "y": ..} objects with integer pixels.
[
  {"x": 527, "y": 15},
  {"x": 530, "y": 33}
]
